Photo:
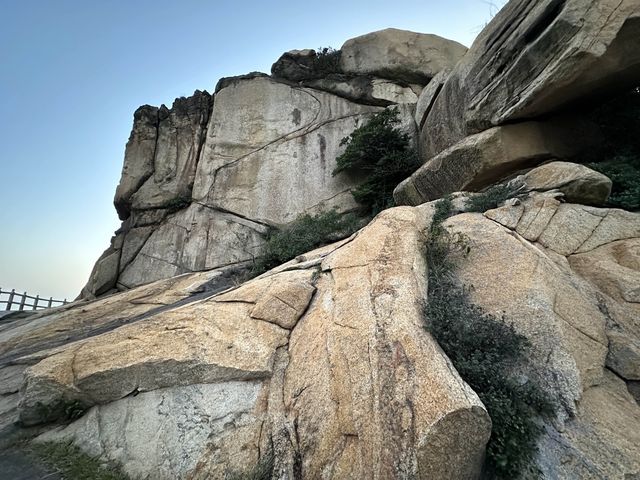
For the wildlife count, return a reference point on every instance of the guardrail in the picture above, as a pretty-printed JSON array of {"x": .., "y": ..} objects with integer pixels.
[{"x": 21, "y": 301}]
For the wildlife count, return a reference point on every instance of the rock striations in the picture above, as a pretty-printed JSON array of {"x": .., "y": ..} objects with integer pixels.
[{"x": 172, "y": 367}]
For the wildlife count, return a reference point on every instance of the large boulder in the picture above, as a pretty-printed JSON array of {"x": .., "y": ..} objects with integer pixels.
[
  {"x": 578, "y": 183},
  {"x": 534, "y": 58},
  {"x": 400, "y": 55},
  {"x": 485, "y": 158},
  {"x": 323, "y": 363}
]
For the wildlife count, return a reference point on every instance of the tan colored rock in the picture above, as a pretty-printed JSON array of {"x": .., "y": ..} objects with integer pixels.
[
  {"x": 578, "y": 183},
  {"x": 614, "y": 269},
  {"x": 354, "y": 387},
  {"x": 588, "y": 50},
  {"x": 400, "y": 55},
  {"x": 50, "y": 329},
  {"x": 367, "y": 316},
  {"x": 483, "y": 159},
  {"x": 566, "y": 228},
  {"x": 557, "y": 313}
]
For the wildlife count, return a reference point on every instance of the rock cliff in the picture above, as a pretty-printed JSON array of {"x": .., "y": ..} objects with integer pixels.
[{"x": 328, "y": 366}]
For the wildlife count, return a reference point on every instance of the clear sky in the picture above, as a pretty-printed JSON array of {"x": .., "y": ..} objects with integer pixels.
[{"x": 72, "y": 72}]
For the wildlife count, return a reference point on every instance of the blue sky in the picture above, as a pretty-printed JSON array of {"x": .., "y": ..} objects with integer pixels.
[{"x": 72, "y": 72}]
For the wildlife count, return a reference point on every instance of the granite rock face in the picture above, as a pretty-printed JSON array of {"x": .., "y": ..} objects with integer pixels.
[
  {"x": 535, "y": 58},
  {"x": 324, "y": 362},
  {"x": 485, "y": 158},
  {"x": 203, "y": 182}
]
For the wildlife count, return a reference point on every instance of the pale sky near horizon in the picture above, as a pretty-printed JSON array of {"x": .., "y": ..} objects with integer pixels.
[{"x": 72, "y": 72}]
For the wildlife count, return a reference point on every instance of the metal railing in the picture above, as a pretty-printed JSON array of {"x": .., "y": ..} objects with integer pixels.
[{"x": 21, "y": 301}]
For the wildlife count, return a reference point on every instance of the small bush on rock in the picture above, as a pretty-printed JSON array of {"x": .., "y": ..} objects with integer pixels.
[
  {"x": 382, "y": 153},
  {"x": 487, "y": 352},
  {"x": 74, "y": 464},
  {"x": 493, "y": 197},
  {"x": 326, "y": 61},
  {"x": 624, "y": 172},
  {"x": 304, "y": 234}
]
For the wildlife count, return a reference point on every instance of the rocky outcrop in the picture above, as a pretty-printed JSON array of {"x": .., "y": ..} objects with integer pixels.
[
  {"x": 324, "y": 362},
  {"x": 555, "y": 272},
  {"x": 536, "y": 61},
  {"x": 162, "y": 154},
  {"x": 203, "y": 182},
  {"x": 400, "y": 55},
  {"x": 485, "y": 158},
  {"x": 534, "y": 58}
]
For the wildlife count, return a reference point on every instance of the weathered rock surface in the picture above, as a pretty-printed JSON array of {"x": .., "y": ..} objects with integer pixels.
[
  {"x": 578, "y": 183},
  {"x": 482, "y": 159},
  {"x": 366, "y": 89},
  {"x": 324, "y": 361},
  {"x": 270, "y": 151},
  {"x": 400, "y": 55},
  {"x": 534, "y": 58},
  {"x": 162, "y": 154},
  {"x": 574, "y": 319},
  {"x": 558, "y": 314}
]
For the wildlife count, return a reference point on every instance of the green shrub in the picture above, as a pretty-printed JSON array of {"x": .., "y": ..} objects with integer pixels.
[
  {"x": 619, "y": 156},
  {"x": 326, "y": 61},
  {"x": 487, "y": 352},
  {"x": 74, "y": 464},
  {"x": 624, "y": 172},
  {"x": 381, "y": 153},
  {"x": 304, "y": 234},
  {"x": 176, "y": 204},
  {"x": 493, "y": 197}
]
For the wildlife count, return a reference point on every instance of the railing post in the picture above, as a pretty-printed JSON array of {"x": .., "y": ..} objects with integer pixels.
[
  {"x": 24, "y": 299},
  {"x": 50, "y": 302},
  {"x": 35, "y": 302},
  {"x": 13, "y": 292}
]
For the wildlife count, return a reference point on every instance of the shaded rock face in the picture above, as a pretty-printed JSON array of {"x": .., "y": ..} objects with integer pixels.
[
  {"x": 539, "y": 61},
  {"x": 482, "y": 159},
  {"x": 324, "y": 362},
  {"x": 162, "y": 154},
  {"x": 536, "y": 57}
]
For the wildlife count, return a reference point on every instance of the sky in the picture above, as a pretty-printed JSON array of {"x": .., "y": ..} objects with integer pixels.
[{"x": 72, "y": 72}]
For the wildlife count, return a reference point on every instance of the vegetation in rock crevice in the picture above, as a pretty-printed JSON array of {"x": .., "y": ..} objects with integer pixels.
[
  {"x": 382, "y": 153},
  {"x": 493, "y": 197},
  {"x": 326, "y": 62},
  {"x": 488, "y": 354},
  {"x": 304, "y": 234},
  {"x": 74, "y": 464},
  {"x": 619, "y": 156}
]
